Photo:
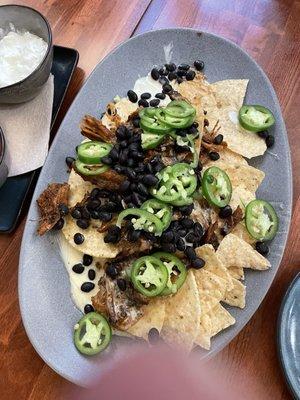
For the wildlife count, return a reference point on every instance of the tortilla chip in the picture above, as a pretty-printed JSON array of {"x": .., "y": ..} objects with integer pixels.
[
  {"x": 154, "y": 315},
  {"x": 236, "y": 272},
  {"x": 223, "y": 104},
  {"x": 211, "y": 289},
  {"x": 78, "y": 188},
  {"x": 182, "y": 318},
  {"x": 236, "y": 297},
  {"x": 214, "y": 264},
  {"x": 93, "y": 244},
  {"x": 220, "y": 319},
  {"x": 240, "y": 231},
  {"x": 212, "y": 323},
  {"x": 228, "y": 157},
  {"x": 240, "y": 197},
  {"x": 234, "y": 251}
]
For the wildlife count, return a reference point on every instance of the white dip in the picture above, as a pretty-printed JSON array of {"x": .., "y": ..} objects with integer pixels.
[
  {"x": 20, "y": 54},
  {"x": 149, "y": 85},
  {"x": 70, "y": 257}
]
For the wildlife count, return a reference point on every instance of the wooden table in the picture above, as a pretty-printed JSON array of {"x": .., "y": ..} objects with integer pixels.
[{"x": 269, "y": 30}]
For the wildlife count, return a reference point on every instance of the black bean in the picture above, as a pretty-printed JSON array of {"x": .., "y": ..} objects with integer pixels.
[
  {"x": 134, "y": 235},
  {"x": 195, "y": 124},
  {"x": 174, "y": 225},
  {"x": 121, "y": 132},
  {"x": 92, "y": 274},
  {"x": 105, "y": 216},
  {"x": 94, "y": 214},
  {"x": 198, "y": 229},
  {"x": 169, "y": 247},
  {"x": 105, "y": 193},
  {"x": 262, "y": 248},
  {"x": 172, "y": 76},
  {"x": 132, "y": 96},
  {"x": 190, "y": 75},
  {"x": 78, "y": 268},
  {"x": 199, "y": 65},
  {"x": 182, "y": 132},
  {"x": 190, "y": 237},
  {"x": 170, "y": 67},
  {"x": 87, "y": 287},
  {"x": 83, "y": 223},
  {"x": 150, "y": 180},
  {"x": 69, "y": 161},
  {"x": 59, "y": 224},
  {"x": 190, "y": 253},
  {"x": 85, "y": 213},
  {"x": 184, "y": 67},
  {"x": 63, "y": 209},
  {"x": 88, "y": 308},
  {"x": 142, "y": 189},
  {"x": 163, "y": 71},
  {"x": 87, "y": 260},
  {"x": 118, "y": 168},
  {"x": 270, "y": 140},
  {"x": 179, "y": 80},
  {"x": 186, "y": 210},
  {"x": 149, "y": 236},
  {"x": 167, "y": 88},
  {"x": 263, "y": 134},
  {"x": 136, "y": 199},
  {"x": 114, "y": 154},
  {"x": 124, "y": 186},
  {"x": 192, "y": 130},
  {"x": 218, "y": 139},
  {"x": 121, "y": 284},
  {"x": 187, "y": 223},
  {"x": 214, "y": 156},
  {"x": 78, "y": 238},
  {"x": 153, "y": 336},
  {"x": 131, "y": 174},
  {"x": 160, "y": 96},
  {"x": 143, "y": 103},
  {"x": 111, "y": 238},
  {"x": 181, "y": 231},
  {"x": 224, "y": 230},
  {"x": 154, "y": 102},
  {"x": 95, "y": 193},
  {"x": 155, "y": 74},
  {"x": 167, "y": 237},
  {"x": 180, "y": 244},
  {"x": 181, "y": 73},
  {"x": 197, "y": 263},
  {"x": 106, "y": 160},
  {"x": 206, "y": 122},
  {"x": 136, "y": 122},
  {"x": 93, "y": 204},
  {"x": 225, "y": 212},
  {"x": 145, "y": 95},
  {"x": 76, "y": 214},
  {"x": 112, "y": 271}
]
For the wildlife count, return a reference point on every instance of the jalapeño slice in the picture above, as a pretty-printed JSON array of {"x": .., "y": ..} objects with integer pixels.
[
  {"x": 160, "y": 210},
  {"x": 145, "y": 220},
  {"x": 216, "y": 187},
  {"x": 261, "y": 220},
  {"x": 149, "y": 276},
  {"x": 256, "y": 118},
  {"x": 90, "y": 169},
  {"x": 92, "y": 334},
  {"x": 176, "y": 270},
  {"x": 92, "y": 151},
  {"x": 180, "y": 108}
]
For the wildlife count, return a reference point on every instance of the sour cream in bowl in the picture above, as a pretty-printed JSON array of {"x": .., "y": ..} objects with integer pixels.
[{"x": 26, "y": 53}]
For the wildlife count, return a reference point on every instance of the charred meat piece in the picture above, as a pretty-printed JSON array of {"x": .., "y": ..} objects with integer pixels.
[
  {"x": 93, "y": 129},
  {"x": 49, "y": 204},
  {"x": 129, "y": 248},
  {"x": 122, "y": 308}
]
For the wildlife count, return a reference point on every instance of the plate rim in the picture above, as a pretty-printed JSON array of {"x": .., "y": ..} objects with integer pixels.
[{"x": 289, "y": 186}]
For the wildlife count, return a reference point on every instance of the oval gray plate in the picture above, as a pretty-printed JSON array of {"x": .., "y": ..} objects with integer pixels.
[
  {"x": 47, "y": 310},
  {"x": 289, "y": 336}
]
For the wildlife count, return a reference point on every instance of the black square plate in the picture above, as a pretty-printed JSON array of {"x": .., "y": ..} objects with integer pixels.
[{"x": 15, "y": 190}]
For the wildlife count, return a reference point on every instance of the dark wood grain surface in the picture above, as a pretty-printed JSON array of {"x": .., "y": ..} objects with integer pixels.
[{"x": 270, "y": 31}]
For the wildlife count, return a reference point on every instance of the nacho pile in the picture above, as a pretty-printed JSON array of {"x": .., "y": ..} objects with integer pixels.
[{"x": 213, "y": 244}]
